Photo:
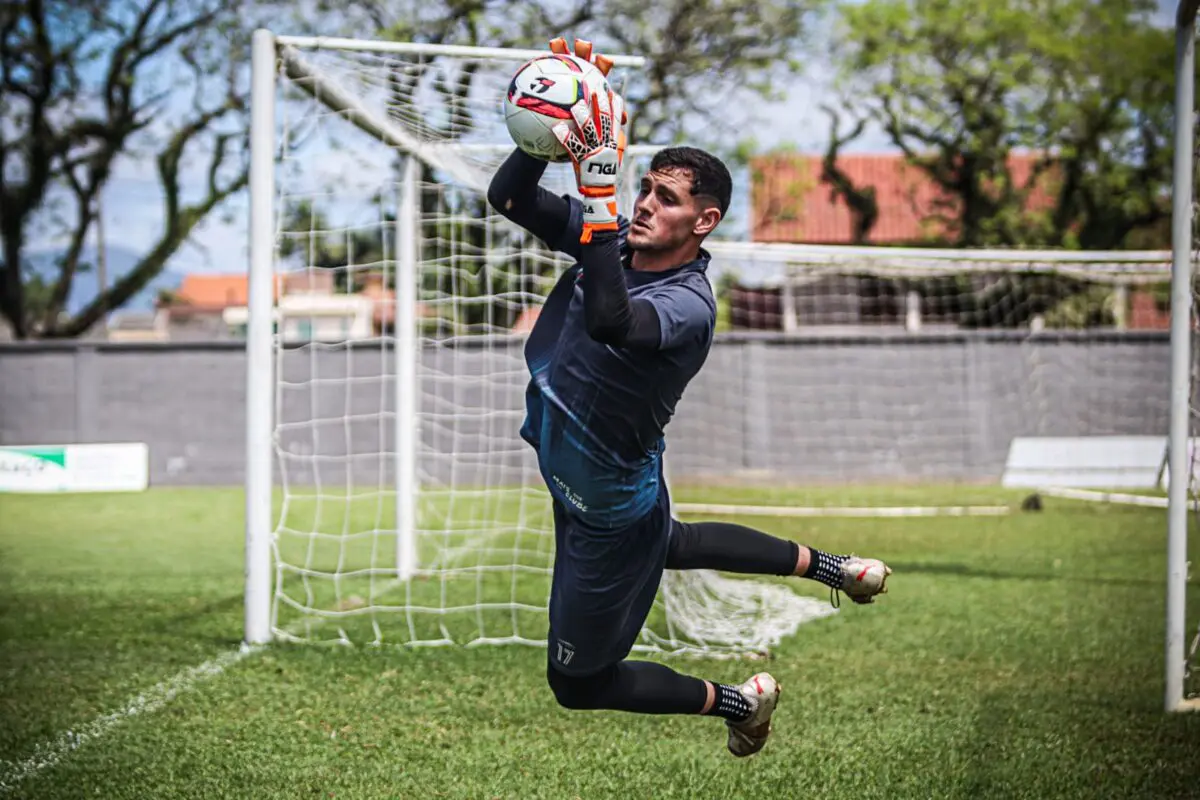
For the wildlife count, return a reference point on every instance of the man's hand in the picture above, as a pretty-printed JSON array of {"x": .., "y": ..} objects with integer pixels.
[{"x": 595, "y": 143}]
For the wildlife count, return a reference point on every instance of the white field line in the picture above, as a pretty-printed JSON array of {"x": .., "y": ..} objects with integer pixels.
[
  {"x": 1121, "y": 498},
  {"x": 842, "y": 511},
  {"x": 46, "y": 755}
]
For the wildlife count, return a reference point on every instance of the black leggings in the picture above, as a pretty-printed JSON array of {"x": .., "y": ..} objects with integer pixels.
[{"x": 645, "y": 687}]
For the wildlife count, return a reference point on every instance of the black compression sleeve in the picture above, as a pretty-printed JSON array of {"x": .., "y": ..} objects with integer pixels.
[
  {"x": 611, "y": 316},
  {"x": 731, "y": 548},
  {"x": 515, "y": 193}
]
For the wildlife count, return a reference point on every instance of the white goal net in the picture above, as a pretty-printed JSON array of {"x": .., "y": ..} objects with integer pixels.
[{"x": 409, "y": 509}]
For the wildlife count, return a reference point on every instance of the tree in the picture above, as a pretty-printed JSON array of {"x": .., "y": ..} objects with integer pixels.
[
  {"x": 960, "y": 86},
  {"x": 85, "y": 83}
]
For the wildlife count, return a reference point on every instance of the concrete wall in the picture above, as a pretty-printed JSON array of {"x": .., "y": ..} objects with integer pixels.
[{"x": 850, "y": 408}]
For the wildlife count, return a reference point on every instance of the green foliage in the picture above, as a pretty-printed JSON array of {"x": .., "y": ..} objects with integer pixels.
[
  {"x": 479, "y": 275},
  {"x": 314, "y": 242},
  {"x": 474, "y": 274},
  {"x": 725, "y": 284},
  {"x": 1013, "y": 300},
  {"x": 1092, "y": 307},
  {"x": 962, "y": 85}
]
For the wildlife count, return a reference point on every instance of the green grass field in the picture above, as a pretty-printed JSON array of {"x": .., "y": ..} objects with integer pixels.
[{"x": 1017, "y": 656}]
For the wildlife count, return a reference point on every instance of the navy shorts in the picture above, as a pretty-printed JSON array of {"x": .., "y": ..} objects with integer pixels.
[{"x": 604, "y": 587}]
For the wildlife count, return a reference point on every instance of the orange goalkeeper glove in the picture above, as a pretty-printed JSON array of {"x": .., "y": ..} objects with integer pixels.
[{"x": 595, "y": 143}]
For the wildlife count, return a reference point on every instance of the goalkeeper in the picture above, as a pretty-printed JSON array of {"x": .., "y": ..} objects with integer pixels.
[{"x": 617, "y": 341}]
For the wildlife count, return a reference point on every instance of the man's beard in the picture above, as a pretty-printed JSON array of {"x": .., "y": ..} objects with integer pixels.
[{"x": 649, "y": 247}]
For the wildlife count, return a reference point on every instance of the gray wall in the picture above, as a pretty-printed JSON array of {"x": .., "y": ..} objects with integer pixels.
[{"x": 817, "y": 408}]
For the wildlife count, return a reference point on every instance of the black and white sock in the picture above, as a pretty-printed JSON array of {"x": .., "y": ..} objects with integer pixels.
[
  {"x": 730, "y": 703},
  {"x": 825, "y": 568}
]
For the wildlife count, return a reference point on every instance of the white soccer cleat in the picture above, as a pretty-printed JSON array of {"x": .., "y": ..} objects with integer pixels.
[
  {"x": 748, "y": 737},
  {"x": 863, "y": 578}
]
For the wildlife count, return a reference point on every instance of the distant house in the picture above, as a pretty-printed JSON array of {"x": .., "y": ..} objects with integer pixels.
[
  {"x": 307, "y": 307},
  {"x": 137, "y": 326},
  {"x": 791, "y": 204},
  {"x": 197, "y": 308}
]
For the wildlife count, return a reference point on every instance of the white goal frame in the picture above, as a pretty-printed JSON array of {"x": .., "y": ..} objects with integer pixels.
[
  {"x": 1182, "y": 303},
  {"x": 267, "y": 52}
]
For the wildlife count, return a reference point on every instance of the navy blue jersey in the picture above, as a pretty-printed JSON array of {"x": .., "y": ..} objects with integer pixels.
[{"x": 596, "y": 414}]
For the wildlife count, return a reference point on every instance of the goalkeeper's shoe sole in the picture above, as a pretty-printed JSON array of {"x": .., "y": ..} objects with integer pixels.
[
  {"x": 864, "y": 578},
  {"x": 748, "y": 737}
]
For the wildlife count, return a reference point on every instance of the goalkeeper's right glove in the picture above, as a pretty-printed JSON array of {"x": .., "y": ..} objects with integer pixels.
[{"x": 596, "y": 145}]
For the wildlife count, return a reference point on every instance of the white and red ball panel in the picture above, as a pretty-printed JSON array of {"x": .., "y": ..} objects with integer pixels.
[{"x": 540, "y": 96}]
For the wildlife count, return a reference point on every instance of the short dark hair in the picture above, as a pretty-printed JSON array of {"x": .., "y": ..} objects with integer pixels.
[{"x": 710, "y": 176}]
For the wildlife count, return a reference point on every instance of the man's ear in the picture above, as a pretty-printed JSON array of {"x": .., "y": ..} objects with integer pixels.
[{"x": 709, "y": 218}]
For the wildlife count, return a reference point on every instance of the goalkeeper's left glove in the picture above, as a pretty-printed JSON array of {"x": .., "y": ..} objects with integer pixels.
[{"x": 596, "y": 145}]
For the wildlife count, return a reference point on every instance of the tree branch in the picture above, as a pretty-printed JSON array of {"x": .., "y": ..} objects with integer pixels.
[
  {"x": 179, "y": 222},
  {"x": 70, "y": 261},
  {"x": 861, "y": 201}
]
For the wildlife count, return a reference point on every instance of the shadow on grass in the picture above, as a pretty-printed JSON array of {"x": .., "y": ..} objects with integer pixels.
[
  {"x": 216, "y": 607},
  {"x": 1068, "y": 742}
]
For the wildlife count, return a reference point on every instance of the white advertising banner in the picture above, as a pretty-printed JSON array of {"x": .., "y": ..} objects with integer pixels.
[{"x": 123, "y": 467}]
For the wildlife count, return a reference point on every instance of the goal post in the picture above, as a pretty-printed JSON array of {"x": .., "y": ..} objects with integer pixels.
[
  {"x": 1179, "y": 656},
  {"x": 407, "y": 252},
  {"x": 259, "y": 339}
]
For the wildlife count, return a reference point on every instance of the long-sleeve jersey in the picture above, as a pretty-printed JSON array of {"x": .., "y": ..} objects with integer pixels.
[{"x": 609, "y": 357}]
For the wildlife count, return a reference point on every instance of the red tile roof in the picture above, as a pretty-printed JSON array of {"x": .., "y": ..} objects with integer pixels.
[
  {"x": 791, "y": 204},
  {"x": 210, "y": 292},
  {"x": 526, "y": 319},
  {"x": 213, "y": 292}
]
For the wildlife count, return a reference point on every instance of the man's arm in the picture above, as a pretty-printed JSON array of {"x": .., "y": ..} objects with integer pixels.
[
  {"x": 613, "y": 318},
  {"x": 515, "y": 193}
]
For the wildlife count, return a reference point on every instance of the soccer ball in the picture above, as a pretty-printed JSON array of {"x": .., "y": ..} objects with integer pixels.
[{"x": 540, "y": 96}]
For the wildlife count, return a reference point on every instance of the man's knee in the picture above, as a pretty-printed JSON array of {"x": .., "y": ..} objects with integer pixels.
[{"x": 579, "y": 692}]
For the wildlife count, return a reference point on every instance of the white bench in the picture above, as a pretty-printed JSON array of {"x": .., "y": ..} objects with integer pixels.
[{"x": 1095, "y": 462}]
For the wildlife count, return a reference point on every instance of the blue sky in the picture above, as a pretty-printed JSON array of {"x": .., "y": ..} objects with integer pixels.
[{"x": 133, "y": 201}]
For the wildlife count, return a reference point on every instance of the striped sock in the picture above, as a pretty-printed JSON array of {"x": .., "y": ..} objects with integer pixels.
[
  {"x": 730, "y": 704},
  {"x": 825, "y": 568}
]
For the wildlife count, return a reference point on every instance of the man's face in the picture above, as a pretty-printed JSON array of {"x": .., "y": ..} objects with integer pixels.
[{"x": 666, "y": 214}]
